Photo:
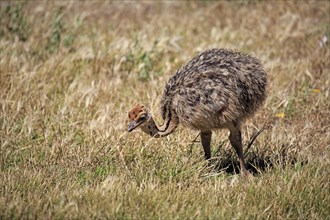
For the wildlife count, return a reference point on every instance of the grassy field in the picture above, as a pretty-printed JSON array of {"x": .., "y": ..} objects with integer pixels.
[{"x": 71, "y": 70}]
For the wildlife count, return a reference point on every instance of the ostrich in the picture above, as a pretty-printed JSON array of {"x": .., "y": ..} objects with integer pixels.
[{"x": 217, "y": 89}]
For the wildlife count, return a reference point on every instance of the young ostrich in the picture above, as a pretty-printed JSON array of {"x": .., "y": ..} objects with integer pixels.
[{"x": 217, "y": 89}]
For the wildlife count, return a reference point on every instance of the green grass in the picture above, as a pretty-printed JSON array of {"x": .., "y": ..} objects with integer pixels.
[{"x": 70, "y": 72}]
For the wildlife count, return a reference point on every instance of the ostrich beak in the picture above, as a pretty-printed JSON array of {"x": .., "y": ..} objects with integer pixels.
[{"x": 132, "y": 125}]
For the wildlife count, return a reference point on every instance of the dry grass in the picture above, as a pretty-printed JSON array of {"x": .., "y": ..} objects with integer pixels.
[{"x": 70, "y": 71}]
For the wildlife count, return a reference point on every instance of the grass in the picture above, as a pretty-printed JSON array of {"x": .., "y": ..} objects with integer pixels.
[{"x": 70, "y": 72}]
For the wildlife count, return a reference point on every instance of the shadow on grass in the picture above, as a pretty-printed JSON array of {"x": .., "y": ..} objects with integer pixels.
[{"x": 257, "y": 161}]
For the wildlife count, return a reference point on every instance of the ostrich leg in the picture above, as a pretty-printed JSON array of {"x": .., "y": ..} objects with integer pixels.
[
  {"x": 235, "y": 139},
  {"x": 206, "y": 141}
]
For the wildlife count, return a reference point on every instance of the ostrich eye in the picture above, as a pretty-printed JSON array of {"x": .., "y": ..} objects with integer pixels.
[{"x": 142, "y": 117}]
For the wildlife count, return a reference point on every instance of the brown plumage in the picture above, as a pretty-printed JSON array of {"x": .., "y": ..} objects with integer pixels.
[{"x": 218, "y": 88}]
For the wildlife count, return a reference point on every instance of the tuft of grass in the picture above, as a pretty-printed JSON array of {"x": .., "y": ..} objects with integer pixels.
[
  {"x": 15, "y": 22},
  {"x": 144, "y": 62},
  {"x": 69, "y": 72}
]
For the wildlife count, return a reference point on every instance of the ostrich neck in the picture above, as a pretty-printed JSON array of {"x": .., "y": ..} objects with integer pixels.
[{"x": 169, "y": 125}]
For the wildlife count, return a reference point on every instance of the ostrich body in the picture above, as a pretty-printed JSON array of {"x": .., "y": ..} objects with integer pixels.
[{"x": 217, "y": 89}]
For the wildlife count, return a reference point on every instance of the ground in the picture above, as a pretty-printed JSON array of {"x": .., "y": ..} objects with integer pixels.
[{"x": 71, "y": 70}]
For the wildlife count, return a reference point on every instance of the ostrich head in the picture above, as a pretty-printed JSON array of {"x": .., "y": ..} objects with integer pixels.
[{"x": 137, "y": 116}]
